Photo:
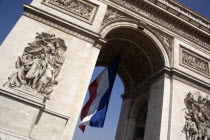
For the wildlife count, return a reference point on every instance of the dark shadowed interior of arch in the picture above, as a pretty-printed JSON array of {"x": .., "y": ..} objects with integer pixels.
[
  {"x": 141, "y": 121},
  {"x": 139, "y": 55},
  {"x": 138, "y": 112}
]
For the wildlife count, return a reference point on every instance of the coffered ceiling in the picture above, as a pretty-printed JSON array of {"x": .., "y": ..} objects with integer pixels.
[{"x": 139, "y": 56}]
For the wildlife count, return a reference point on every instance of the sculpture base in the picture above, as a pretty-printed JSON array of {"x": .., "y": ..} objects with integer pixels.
[{"x": 25, "y": 94}]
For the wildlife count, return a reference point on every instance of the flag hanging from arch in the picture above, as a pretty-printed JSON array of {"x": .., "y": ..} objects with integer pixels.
[{"x": 94, "y": 112}]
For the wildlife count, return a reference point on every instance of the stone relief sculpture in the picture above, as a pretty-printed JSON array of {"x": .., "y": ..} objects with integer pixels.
[
  {"x": 75, "y": 6},
  {"x": 197, "y": 118},
  {"x": 194, "y": 62},
  {"x": 37, "y": 69},
  {"x": 166, "y": 39},
  {"x": 112, "y": 15}
]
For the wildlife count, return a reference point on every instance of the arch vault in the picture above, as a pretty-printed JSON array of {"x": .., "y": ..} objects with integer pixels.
[{"x": 142, "y": 57}]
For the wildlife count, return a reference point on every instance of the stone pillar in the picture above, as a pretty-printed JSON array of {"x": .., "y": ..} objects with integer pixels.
[
  {"x": 158, "y": 110},
  {"x": 27, "y": 113},
  {"x": 130, "y": 128},
  {"x": 81, "y": 92},
  {"x": 123, "y": 120}
]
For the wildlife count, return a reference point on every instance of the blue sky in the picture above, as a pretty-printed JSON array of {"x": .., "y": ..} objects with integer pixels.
[
  {"x": 10, "y": 12},
  {"x": 109, "y": 129}
]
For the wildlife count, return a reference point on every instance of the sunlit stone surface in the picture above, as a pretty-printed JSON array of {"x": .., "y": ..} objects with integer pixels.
[{"x": 48, "y": 58}]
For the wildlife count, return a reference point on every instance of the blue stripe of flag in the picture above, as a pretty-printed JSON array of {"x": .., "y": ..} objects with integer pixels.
[{"x": 97, "y": 120}]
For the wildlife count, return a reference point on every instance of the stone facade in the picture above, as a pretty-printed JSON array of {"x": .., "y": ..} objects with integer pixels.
[{"x": 49, "y": 56}]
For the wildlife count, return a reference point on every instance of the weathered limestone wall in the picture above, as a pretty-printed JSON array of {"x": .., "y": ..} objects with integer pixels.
[
  {"x": 178, "y": 108},
  {"x": 16, "y": 118},
  {"x": 93, "y": 26},
  {"x": 191, "y": 74},
  {"x": 191, "y": 67},
  {"x": 123, "y": 120},
  {"x": 158, "y": 110},
  {"x": 60, "y": 113}
]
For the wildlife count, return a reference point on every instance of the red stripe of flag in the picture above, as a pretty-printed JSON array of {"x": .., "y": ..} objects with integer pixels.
[{"x": 93, "y": 92}]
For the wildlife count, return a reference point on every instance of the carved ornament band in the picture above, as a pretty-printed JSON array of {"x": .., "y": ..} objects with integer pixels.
[
  {"x": 58, "y": 26},
  {"x": 80, "y": 9},
  {"x": 186, "y": 15},
  {"x": 194, "y": 61},
  {"x": 167, "y": 21}
]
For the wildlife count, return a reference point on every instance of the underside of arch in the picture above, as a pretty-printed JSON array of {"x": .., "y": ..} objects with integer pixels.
[{"x": 140, "y": 55}]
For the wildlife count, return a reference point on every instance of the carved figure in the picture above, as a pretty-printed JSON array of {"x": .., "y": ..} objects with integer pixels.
[
  {"x": 75, "y": 6},
  {"x": 13, "y": 80},
  {"x": 190, "y": 128},
  {"x": 197, "y": 124},
  {"x": 39, "y": 65},
  {"x": 195, "y": 62},
  {"x": 112, "y": 15},
  {"x": 37, "y": 69},
  {"x": 45, "y": 79},
  {"x": 65, "y": 3},
  {"x": 166, "y": 39}
]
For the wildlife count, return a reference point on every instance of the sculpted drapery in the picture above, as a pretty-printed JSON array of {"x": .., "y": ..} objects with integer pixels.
[
  {"x": 197, "y": 116},
  {"x": 39, "y": 65}
]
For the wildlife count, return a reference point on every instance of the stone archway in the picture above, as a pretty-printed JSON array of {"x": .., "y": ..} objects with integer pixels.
[
  {"x": 130, "y": 41},
  {"x": 142, "y": 57}
]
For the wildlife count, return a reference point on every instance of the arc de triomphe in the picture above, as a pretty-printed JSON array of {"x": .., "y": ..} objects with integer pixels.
[{"x": 48, "y": 58}]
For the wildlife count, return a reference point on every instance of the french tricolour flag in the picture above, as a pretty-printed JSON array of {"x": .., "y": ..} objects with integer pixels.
[{"x": 94, "y": 112}]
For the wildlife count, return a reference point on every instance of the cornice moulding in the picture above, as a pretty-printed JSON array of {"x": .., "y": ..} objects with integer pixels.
[
  {"x": 173, "y": 73},
  {"x": 39, "y": 102},
  {"x": 62, "y": 24},
  {"x": 83, "y": 10},
  {"x": 189, "y": 10},
  {"x": 177, "y": 26},
  {"x": 193, "y": 22}
]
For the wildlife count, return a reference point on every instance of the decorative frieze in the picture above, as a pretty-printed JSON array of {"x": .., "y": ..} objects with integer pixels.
[
  {"x": 38, "y": 67},
  {"x": 197, "y": 117},
  {"x": 164, "y": 20},
  {"x": 194, "y": 61},
  {"x": 187, "y": 15},
  {"x": 81, "y": 9},
  {"x": 112, "y": 15},
  {"x": 58, "y": 26}
]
